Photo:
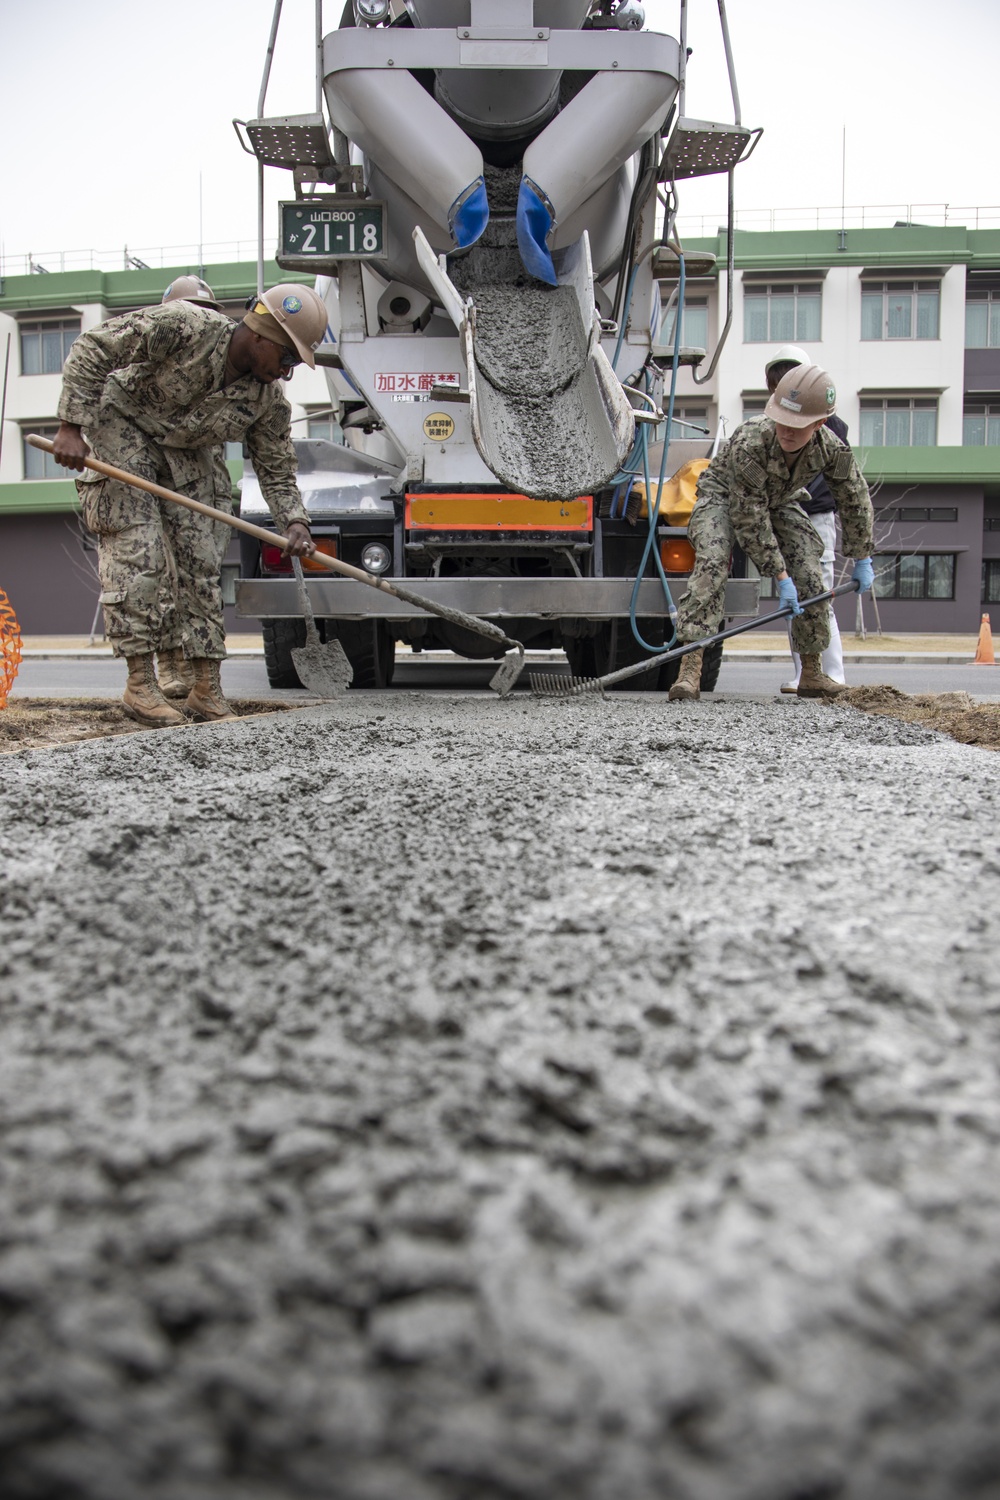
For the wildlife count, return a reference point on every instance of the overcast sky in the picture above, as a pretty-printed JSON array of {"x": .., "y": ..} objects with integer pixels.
[{"x": 110, "y": 109}]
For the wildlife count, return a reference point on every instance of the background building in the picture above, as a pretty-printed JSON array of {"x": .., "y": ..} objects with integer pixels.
[{"x": 906, "y": 319}]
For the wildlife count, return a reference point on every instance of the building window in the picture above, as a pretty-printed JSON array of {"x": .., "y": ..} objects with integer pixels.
[
  {"x": 991, "y": 523},
  {"x": 924, "y": 575},
  {"x": 37, "y": 463},
  {"x": 690, "y": 424},
  {"x": 782, "y": 312},
  {"x": 919, "y": 513},
  {"x": 900, "y": 309},
  {"x": 694, "y": 325},
  {"x": 753, "y": 406},
  {"x": 44, "y": 346},
  {"x": 899, "y": 422},
  {"x": 982, "y": 318},
  {"x": 991, "y": 580},
  {"x": 981, "y": 424},
  {"x": 324, "y": 425}
]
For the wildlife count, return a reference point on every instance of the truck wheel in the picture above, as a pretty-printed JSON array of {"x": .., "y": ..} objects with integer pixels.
[
  {"x": 370, "y": 650},
  {"x": 615, "y": 646},
  {"x": 280, "y": 637},
  {"x": 711, "y": 665},
  {"x": 580, "y": 656}
]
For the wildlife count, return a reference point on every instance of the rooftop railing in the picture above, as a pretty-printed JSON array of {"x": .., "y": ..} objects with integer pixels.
[
  {"x": 692, "y": 226},
  {"x": 853, "y": 216},
  {"x": 138, "y": 258}
]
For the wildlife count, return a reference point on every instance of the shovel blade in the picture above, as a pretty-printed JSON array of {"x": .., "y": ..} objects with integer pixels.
[
  {"x": 508, "y": 672},
  {"x": 323, "y": 668}
]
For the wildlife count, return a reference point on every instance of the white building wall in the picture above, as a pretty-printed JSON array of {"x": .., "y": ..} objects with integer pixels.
[
  {"x": 32, "y": 400},
  {"x": 909, "y": 366}
]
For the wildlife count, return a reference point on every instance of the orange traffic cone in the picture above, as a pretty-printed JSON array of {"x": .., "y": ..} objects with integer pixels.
[
  {"x": 10, "y": 647},
  {"x": 984, "y": 651}
]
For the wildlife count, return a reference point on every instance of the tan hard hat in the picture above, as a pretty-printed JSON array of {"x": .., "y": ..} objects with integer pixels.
[
  {"x": 804, "y": 395},
  {"x": 191, "y": 289},
  {"x": 788, "y": 354},
  {"x": 290, "y": 314}
]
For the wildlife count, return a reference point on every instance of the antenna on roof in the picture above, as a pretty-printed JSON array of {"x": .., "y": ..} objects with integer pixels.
[{"x": 843, "y": 189}]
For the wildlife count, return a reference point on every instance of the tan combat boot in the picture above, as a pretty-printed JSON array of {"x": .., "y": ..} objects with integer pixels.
[
  {"x": 813, "y": 681},
  {"x": 142, "y": 699},
  {"x": 205, "y": 700},
  {"x": 688, "y": 684},
  {"x": 175, "y": 673}
]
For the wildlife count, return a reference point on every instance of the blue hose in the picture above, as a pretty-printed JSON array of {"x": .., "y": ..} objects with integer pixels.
[{"x": 653, "y": 507}]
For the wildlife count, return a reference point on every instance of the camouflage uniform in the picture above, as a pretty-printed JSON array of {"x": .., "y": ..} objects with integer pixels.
[
  {"x": 172, "y": 625},
  {"x": 748, "y": 495},
  {"x": 147, "y": 389}
]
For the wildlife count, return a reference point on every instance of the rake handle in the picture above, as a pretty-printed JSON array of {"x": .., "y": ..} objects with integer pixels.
[
  {"x": 637, "y": 668},
  {"x": 471, "y": 622}
]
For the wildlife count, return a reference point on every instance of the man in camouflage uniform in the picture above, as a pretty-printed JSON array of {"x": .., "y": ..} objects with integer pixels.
[
  {"x": 157, "y": 392},
  {"x": 173, "y": 669},
  {"x": 749, "y": 493}
]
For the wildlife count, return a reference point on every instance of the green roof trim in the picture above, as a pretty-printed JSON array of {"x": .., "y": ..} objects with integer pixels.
[
  {"x": 972, "y": 465},
  {"x": 820, "y": 249},
  {"x": 231, "y": 282},
  {"x": 30, "y": 496}
]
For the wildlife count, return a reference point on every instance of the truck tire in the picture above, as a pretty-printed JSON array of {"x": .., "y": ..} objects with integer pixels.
[
  {"x": 711, "y": 666},
  {"x": 370, "y": 650},
  {"x": 580, "y": 656},
  {"x": 615, "y": 646},
  {"x": 280, "y": 638}
]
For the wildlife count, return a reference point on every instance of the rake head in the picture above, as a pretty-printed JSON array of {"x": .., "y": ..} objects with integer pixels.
[{"x": 546, "y": 685}]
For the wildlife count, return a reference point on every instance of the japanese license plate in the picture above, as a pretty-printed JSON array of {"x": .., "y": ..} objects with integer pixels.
[{"x": 311, "y": 233}]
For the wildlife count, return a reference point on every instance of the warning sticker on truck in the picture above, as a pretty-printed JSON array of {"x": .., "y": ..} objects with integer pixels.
[
  {"x": 439, "y": 426},
  {"x": 414, "y": 383}
]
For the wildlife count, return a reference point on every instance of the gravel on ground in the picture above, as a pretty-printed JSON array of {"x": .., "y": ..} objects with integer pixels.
[{"x": 451, "y": 1099}]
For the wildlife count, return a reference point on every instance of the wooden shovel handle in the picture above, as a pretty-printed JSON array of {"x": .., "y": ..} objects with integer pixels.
[
  {"x": 236, "y": 522},
  {"x": 470, "y": 622}
]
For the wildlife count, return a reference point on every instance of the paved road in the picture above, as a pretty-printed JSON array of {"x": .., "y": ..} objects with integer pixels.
[{"x": 244, "y": 677}]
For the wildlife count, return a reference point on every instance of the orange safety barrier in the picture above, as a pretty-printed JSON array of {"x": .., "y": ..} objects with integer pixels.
[
  {"x": 10, "y": 647},
  {"x": 984, "y": 647}
]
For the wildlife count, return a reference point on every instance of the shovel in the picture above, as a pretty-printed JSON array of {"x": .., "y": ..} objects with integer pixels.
[
  {"x": 322, "y": 668},
  {"x": 503, "y": 678},
  {"x": 544, "y": 685}
]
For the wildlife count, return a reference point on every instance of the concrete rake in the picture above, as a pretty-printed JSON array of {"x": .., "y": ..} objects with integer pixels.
[
  {"x": 547, "y": 685},
  {"x": 503, "y": 678}
]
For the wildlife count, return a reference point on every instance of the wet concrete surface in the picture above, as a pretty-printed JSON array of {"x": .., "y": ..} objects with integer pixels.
[{"x": 434, "y": 1098}]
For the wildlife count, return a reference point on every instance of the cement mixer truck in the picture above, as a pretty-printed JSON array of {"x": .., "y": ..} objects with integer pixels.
[{"x": 486, "y": 194}]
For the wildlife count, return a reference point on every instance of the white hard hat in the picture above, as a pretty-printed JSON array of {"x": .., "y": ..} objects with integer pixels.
[{"x": 788, "y": 354}]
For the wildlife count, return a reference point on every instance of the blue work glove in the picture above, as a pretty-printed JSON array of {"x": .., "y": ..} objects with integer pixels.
[
  {"x": 864, "y": 574},
  {"x": 789, "y": 594}
]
